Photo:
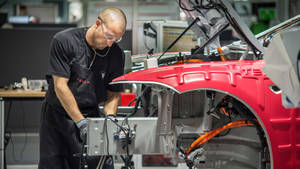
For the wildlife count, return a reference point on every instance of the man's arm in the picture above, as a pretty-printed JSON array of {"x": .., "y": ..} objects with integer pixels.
[
  {"x": 67, "y": 98},
  {"x": 112, "y": 102}
]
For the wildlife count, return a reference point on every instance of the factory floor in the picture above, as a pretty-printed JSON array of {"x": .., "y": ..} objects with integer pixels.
[{"x": 117, "y": 166}]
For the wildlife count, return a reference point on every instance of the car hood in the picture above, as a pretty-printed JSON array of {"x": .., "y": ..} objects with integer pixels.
[{"x": 214, "y": 19}]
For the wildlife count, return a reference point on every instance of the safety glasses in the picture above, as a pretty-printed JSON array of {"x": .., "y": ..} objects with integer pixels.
[{"x": 108, "y": 36}]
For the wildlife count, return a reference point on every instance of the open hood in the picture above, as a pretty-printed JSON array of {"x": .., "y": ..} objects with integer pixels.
[{"x": 215, "y": 15}]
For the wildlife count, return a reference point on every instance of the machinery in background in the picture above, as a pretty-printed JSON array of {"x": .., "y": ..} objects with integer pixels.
[
  {"x": 211, "y": 108},
  {"x": 159, "y": 34}
]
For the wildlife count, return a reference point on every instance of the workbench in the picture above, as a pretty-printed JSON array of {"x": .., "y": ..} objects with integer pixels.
[{"x": 11, "y": 95}]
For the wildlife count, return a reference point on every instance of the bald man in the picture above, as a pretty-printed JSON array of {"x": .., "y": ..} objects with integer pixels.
[{"x": 83, "y": 61}]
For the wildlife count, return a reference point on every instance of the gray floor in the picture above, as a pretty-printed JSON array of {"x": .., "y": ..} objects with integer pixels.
[{"x": 117, "y": 166}]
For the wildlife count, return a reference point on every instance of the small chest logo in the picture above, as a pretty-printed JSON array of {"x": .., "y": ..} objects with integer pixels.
[{"x": 83, "y": 81}]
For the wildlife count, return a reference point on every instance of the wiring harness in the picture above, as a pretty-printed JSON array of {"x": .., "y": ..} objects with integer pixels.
[{"x": 237, "y": 115}]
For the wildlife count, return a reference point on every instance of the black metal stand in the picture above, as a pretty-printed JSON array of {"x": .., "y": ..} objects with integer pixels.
[
  {"x": 129, "y": 164},
  {"x": 82, "y": 157}
]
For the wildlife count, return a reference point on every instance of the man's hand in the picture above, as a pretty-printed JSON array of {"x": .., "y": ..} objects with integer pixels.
[{"x": 82, "y": 126}]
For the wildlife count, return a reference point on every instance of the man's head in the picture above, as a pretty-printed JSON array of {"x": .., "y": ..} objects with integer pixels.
[
  {"x": 109, "y": 28},
  {"x": 23, "y": 10}
]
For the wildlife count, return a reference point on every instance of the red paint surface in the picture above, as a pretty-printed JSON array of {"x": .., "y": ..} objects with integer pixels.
[{"x": 246, "y": 81}]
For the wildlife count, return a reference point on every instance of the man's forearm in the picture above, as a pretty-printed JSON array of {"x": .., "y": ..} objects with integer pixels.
[
  {"x": 68, "y": 101},
  {"x": 112, "y": 102}
]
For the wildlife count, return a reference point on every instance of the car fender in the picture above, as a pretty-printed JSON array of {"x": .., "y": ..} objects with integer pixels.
[{"x": 243, "y": 80}]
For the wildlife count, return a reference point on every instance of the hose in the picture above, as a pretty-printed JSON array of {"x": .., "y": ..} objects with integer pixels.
[{"x": 209, "y": 135}]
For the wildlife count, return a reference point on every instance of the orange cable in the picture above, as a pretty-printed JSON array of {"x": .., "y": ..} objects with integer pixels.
[
  {"x": 220, "y": 50},
  {"x": 209, "y": 135},
  {"x": 224, "y": 111},
  {"x": 189, "y": 61}
]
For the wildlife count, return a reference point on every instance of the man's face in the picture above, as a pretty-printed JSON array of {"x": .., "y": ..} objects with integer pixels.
[{"x": 106, "y": 34}]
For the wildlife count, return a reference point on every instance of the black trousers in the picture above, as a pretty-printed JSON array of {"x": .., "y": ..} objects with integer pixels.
[{"x": 60, "y": 144}]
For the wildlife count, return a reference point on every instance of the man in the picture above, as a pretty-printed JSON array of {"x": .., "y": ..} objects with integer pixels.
[
  {"x": 83, "y": 61},
  {"x": 23, "y": 10}
]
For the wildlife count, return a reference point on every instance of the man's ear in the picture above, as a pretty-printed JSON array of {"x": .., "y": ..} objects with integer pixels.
[{"x": 98, "y": 22}]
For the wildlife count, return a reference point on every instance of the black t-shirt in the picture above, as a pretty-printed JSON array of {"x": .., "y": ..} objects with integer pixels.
[{"x": 89, "y": 73}]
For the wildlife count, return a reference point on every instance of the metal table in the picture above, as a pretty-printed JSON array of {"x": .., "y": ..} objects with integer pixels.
[{"x": 13, "y": 95}]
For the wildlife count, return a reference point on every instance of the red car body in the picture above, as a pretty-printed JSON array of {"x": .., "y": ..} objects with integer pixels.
[{"x": 245, "y": 81}]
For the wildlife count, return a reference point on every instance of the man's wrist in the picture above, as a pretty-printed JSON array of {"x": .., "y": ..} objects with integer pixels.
[
  {"x": 76, "y": 118},
  {"x": 79, "y": 120}
]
